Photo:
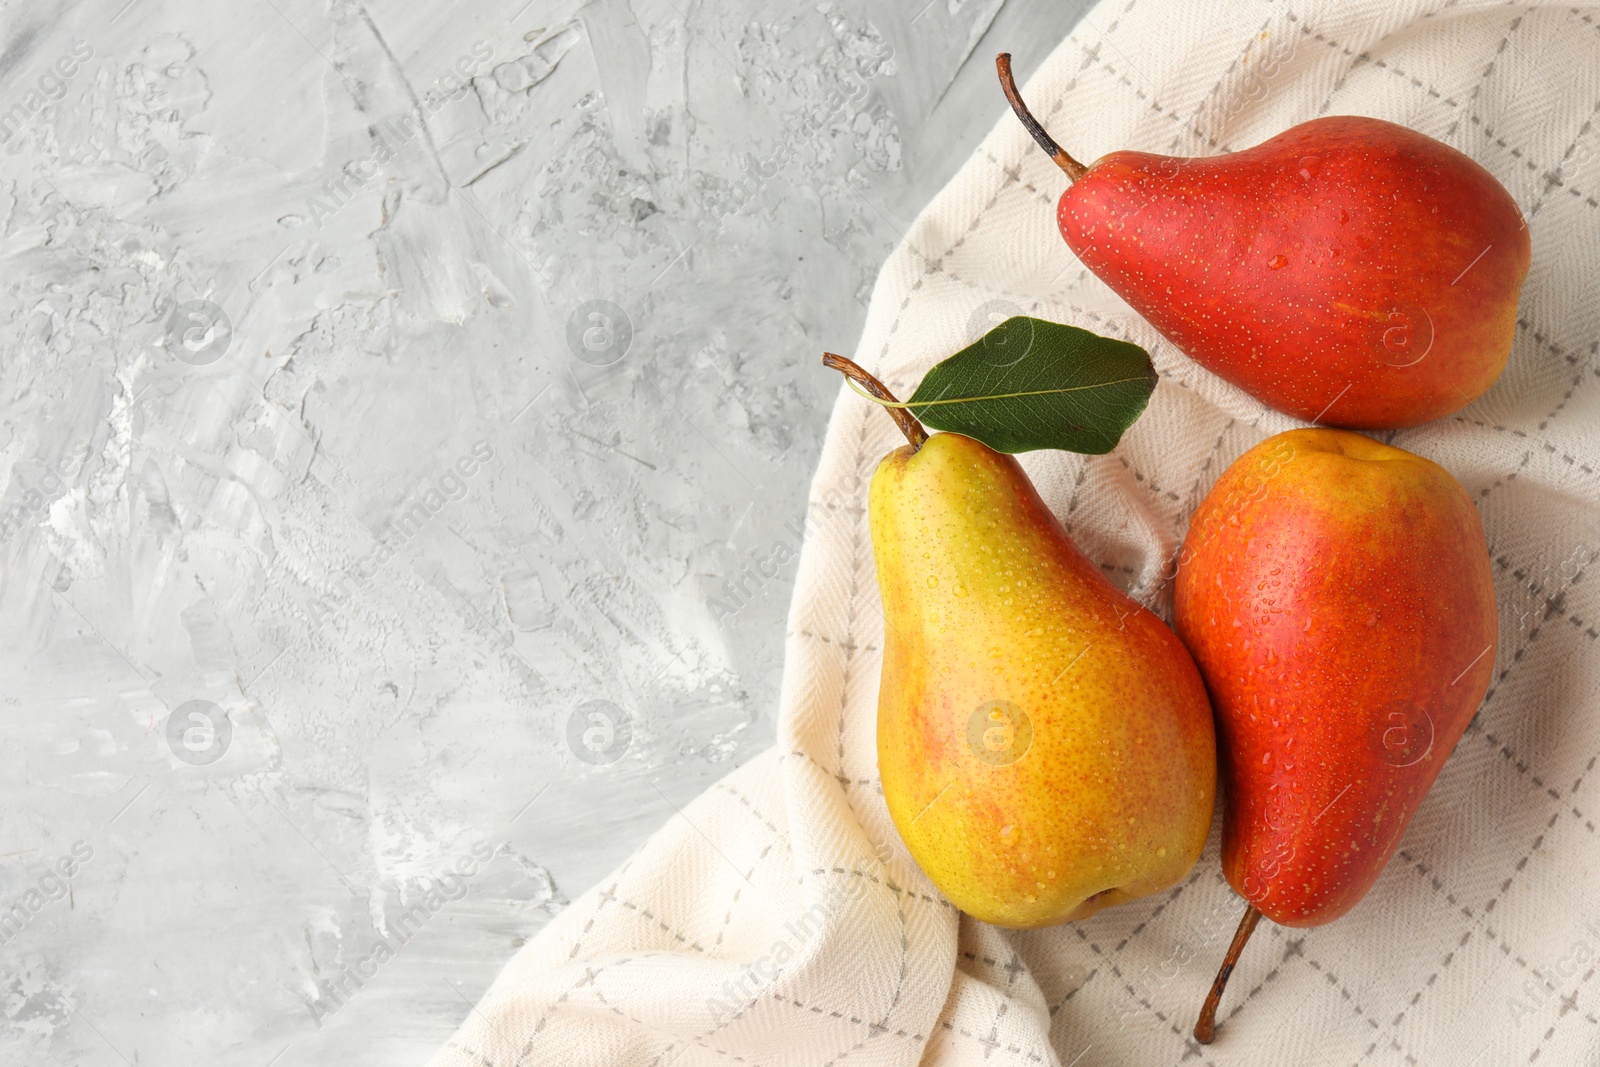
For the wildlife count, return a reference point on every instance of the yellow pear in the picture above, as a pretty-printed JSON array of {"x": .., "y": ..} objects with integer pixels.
[{"x": 1045, "y": 743}]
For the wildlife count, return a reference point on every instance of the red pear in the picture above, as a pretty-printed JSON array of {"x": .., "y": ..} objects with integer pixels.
[
  {"x": 1348, "y": 271},
  {"x": 1337, "y": 596}
]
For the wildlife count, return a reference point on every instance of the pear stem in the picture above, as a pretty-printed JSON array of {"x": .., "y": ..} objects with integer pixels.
[
  {"x": 856, "y": 373},
  {"x": 1205, "y": 1027},
  {"x": 1074, "y": 169}
]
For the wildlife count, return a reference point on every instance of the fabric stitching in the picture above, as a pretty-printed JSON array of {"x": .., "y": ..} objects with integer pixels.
[
  {"x": 827, "y": 773},
  {"x": 1365, "y": 56},
  {"x": 882, "y": 1025},
  {"x": 809, "y": 635},
  {"x": 1381, "y": 64},
  {"x": 1552, "y": 181},
  {"x": 832, "y": 1014},
  {"x": 1483, "y": 79},
  {"x": 989, "y": 1043},
  {"x": 663, "y": 925},
  {"x": 673, "y": 1038},
  {"x": 589, "y": 975},
  {"x": 1205, "y": 101},
  {"x": 1488, "y": 908},
  {"x": 1539, "y": 1048}
]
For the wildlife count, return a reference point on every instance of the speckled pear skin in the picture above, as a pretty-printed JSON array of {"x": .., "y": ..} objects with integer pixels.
[
  {"x": 1045, "y": 743},
  {"x": 1337, "y": 595},
  {"x": 1348, "y": 271}
]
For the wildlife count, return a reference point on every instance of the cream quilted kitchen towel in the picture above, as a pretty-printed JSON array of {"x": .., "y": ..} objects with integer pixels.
[{"x": 779, "y": 921}]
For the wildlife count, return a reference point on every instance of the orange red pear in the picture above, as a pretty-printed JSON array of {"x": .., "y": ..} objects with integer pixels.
[
  {"x": 1336, "y": 593},
  {"x": 1348, "y": 271}
]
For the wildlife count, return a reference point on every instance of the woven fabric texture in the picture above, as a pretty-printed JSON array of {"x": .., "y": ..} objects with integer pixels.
[{"x": 779, "y": 921}]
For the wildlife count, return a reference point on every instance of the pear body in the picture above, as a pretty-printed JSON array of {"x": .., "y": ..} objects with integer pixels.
[
  {"x": 1337, "y": 595},
  {"x": 1348, "y": 271},
  {"x": 1045, "y": 743}
]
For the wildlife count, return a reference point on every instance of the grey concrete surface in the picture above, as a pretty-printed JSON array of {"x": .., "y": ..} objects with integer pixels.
[{"x": 406, "y": 413}]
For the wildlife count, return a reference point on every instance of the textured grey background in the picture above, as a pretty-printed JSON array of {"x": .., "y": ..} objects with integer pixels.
[{"x": 304, "y": 418}]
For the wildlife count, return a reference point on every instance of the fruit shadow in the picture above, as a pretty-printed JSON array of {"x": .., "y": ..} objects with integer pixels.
[
  {"x": 1145, "y": 964},
  {"x": 1131, "y": 545},
  {"x": 1527, "y": 743}
]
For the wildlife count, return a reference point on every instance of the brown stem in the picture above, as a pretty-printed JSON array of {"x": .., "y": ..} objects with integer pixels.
[
  {"x": 1074, "y": 169},
  {"x": 855, "y": 372},
  {"x": 1205, "y": 1028}
]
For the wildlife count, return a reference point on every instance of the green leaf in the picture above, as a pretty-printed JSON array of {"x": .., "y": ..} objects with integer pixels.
[{"x": 1030, "y": 384}]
